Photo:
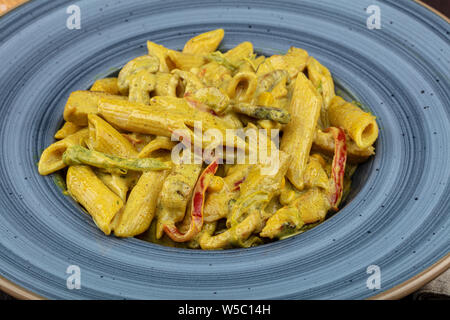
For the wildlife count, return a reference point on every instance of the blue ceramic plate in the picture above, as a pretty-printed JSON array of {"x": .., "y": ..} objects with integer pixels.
[{"x": 397, "y": 217}]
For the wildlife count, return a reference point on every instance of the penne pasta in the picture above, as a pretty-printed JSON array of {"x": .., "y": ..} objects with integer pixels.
[
  {"x": 101, "y": 203},
  {"x": 324, "y": 142},
  {"x": 52, "y": 158},
  {"x": 108, "y": 85},
  {"x": 360, "y": 126},
  {"x": 82, "y": 103},
  {"x": 241, "y": 52},
  {"x": 242, "y": 86},
  {"x": 104, "y": 138},
  {"x": 322, "y": 80},
  {"x": 156, "y": 144},
  {"x": 161, "y": 52},
  {"x": 141, "y": 205},
  {"x": 119, "y": 184},
  {"x": 67, "y": 129},
  {"x": 299, "y": 133},
  {"x": 185, "y": 61},
  {"x": 204, "y": 43}
]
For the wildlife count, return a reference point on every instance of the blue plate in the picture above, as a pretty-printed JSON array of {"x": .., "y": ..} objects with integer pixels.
[{"x": 398, "y": 214}]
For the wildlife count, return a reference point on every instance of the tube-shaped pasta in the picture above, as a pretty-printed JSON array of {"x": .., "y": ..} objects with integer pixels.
[
  {"x": 299, "y": 133},
  {"x": 250, "y": 64},
  {"x": 67, "y": 129},
  {"x": 360, "y": 126},
  {"x": 108, "y": 85},
  {"x": 164, "y": 116},
  {"x": 104, "y": 138},
  {"x": 157, "y": 144},
  {"x": 101, "y": 203},
  {"x": 140, "y": 118},
  {"x": 82, "y": 103},
  {"x": 161, "y": 52},
  {"x": 52, "y": 158},
  {"x": 118, "y": 184},
  {"x": 141, "y": 205},
  {"x": 242, "y": 86},
  {"x": 204, "y": 43},
  {"x": 324, "y": 142},
  {"x": 175, "y": 194},
  {"x": 242, "y": 51},
  {"x": 322, "y": 80},
  {"x": 185, "y": 61}
]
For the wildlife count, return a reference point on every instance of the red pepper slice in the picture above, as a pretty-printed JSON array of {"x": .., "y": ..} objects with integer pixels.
[
  {"x": 237, "y": 184},
  {"x": 198, "y": 200},
  {"x": 338, "y": 166}
]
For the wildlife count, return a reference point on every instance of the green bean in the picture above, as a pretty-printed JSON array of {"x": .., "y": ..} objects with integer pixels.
[
  {"x": 76, "y": 155},
  {"x": 263, "y": 113},
  {"x": 221, "y": 59}
]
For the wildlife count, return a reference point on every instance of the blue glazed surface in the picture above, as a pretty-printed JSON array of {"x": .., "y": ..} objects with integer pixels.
[{"x": 398, "y": 216}]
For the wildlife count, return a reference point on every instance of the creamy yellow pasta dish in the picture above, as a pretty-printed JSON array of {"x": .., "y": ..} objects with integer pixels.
[{"x": 206, "y": 149}]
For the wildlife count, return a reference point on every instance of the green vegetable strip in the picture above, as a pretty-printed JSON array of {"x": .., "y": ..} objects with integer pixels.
[
  {"x": 221, "y": 59},
  {"x": 263, "y": 113},
  {"x": 76, "y": 154}
]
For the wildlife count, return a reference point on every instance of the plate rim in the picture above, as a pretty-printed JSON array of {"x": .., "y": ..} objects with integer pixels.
[{"x": 397, "y": 292}]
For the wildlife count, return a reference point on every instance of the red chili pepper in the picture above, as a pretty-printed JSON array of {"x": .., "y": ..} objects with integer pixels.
[
  {"x": 338, "y": 166},
  {"x": 198, "y": 200}
]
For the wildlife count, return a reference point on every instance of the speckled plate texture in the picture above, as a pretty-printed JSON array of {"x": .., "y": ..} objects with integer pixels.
[{"x": 397, "y": 217}]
